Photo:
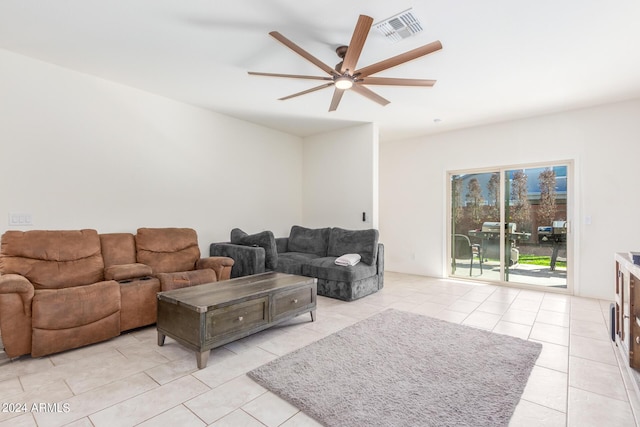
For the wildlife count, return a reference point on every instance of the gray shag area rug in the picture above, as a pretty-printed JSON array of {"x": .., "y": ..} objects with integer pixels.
[{"x": 402, "y": 369}]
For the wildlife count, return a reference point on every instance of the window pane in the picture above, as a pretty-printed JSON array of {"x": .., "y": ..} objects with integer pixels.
[
  {"x": 475, "y": 202},
  {"x": 537, "y": 213}
]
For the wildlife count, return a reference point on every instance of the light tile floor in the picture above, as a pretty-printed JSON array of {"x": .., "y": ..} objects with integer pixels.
[{"x": 129, "y": 380}]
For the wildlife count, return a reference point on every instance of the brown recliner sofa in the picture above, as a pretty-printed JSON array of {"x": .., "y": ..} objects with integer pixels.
[{"x": 65, "y": 289}]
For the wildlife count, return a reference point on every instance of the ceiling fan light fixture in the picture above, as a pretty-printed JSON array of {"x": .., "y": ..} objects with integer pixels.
[{"x": 343, "y": 82}]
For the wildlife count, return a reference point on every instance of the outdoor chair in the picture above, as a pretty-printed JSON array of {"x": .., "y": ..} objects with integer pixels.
[{"x": 463, "y": 249}]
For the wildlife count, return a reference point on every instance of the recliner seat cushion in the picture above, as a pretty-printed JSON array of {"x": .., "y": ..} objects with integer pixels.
[
  {"x": 264, "y": 239},
  {"x": 53, "y": 259},
  {"x": 77, "y": 306},
  {"x": 167, "y": 250},
  {"x": 363, "y": 242},
  {"x": 309, "y": 240},
  {"x": 73, "y": 317}
]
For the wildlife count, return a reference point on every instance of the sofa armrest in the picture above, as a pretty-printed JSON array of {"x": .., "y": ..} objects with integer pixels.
[
  {"x": 127, "y": 271},
  {"x": 248, "y": 259},
  {"x": 380, "y": 265},
  {"x": 220, "y": 264},
  {"x": 380, "y": 258},
  {"x": 183, "y": 279},
  {"x": 16, "y": 299},
  {"x": 17, "y": 284},
  {"x": 282, "y": 244}
]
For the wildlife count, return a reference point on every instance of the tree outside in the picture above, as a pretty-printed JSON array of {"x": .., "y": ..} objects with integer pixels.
[
  {"x": 475, "y": 202},
  {"x": 493, "y": 187},
  {"x": 547, "y": 208},
  {"x": 457, "y": 209},
  {"x": 520, "y": 209}
]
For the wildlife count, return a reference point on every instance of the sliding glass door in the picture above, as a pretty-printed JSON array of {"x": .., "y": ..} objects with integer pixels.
[
  {"x": 511, "y": 225},
  {"x": 475, "y": 208}
]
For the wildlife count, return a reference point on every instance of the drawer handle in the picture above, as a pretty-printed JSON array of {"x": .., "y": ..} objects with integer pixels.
[
  {"x": 295, "y": 301},
  {"x": 240, "y": 319}
]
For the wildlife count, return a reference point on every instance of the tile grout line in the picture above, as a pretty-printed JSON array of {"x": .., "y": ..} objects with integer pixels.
[{"x": 568, "y": 365}]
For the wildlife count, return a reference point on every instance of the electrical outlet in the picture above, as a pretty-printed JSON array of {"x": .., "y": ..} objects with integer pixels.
[{"x": 20, "y": 219}]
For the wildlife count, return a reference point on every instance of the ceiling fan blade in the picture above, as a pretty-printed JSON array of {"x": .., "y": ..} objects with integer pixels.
[
  {"x": 337, "y": 96},
  {"x": 369, "y": 94},
  {"x": 300, "y": 51},
  {"x": 399, "y": 59},
  {"x": 292, "y": 76},
  {"x": 396, "y": 82},
  {"x": 304, "y": 92},
  {"x": 356, "y": 44}
]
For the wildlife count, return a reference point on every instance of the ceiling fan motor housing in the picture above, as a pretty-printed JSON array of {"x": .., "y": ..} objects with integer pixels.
[{"x": 341, "y": 51}]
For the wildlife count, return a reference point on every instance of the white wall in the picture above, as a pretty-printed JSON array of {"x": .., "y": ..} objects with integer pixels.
[
  {"x": 77, "y": 151},
  {"x": 81, "y": 152},
  {"x": 603, "y": 142},
  {"x": 340, "y": 178}
]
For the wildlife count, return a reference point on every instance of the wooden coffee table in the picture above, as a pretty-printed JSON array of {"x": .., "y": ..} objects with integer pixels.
[{"x": 210, "y": 315}]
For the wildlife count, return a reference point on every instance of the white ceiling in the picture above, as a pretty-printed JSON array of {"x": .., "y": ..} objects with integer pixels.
[{"x": 501, "y": 59}]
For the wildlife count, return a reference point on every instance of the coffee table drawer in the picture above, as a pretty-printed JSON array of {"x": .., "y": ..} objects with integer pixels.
[
  {"x": 237, "y": 318},
  {"x": 287, "y": 302}
]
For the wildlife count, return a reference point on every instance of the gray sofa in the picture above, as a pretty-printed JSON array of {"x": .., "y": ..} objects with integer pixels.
[{"x": 311, "y": 252}]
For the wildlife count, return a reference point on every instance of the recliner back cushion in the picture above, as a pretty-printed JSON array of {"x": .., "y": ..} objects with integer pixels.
[
  {"x": 167, "y": 250},
  {"x": 53, "y": 259},
  {"x": 309, "y": 240},
  {"x": 118, "y": 249},
  {"x": 363, "y": 242}
]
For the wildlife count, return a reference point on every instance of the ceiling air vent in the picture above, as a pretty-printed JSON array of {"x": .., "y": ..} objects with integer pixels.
[{"x": 399, "y": 26}]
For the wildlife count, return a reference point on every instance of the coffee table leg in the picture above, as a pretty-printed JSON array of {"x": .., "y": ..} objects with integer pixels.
[
  {"x": 160, "y": 339},
  {"x": 313, "y": 315},
  {"x": 202, "y": 357}
]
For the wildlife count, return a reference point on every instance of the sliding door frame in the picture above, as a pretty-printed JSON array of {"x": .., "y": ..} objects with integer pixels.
[{"x": 572, "y": 236}]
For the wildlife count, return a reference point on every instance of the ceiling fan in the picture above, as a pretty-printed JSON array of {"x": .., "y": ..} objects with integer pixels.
[{"x": 345, "y": 75}]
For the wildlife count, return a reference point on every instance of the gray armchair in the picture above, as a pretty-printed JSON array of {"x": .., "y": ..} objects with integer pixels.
[
  {"x": 253, "y": 254},
  {"x": 248, "y": 259}
]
